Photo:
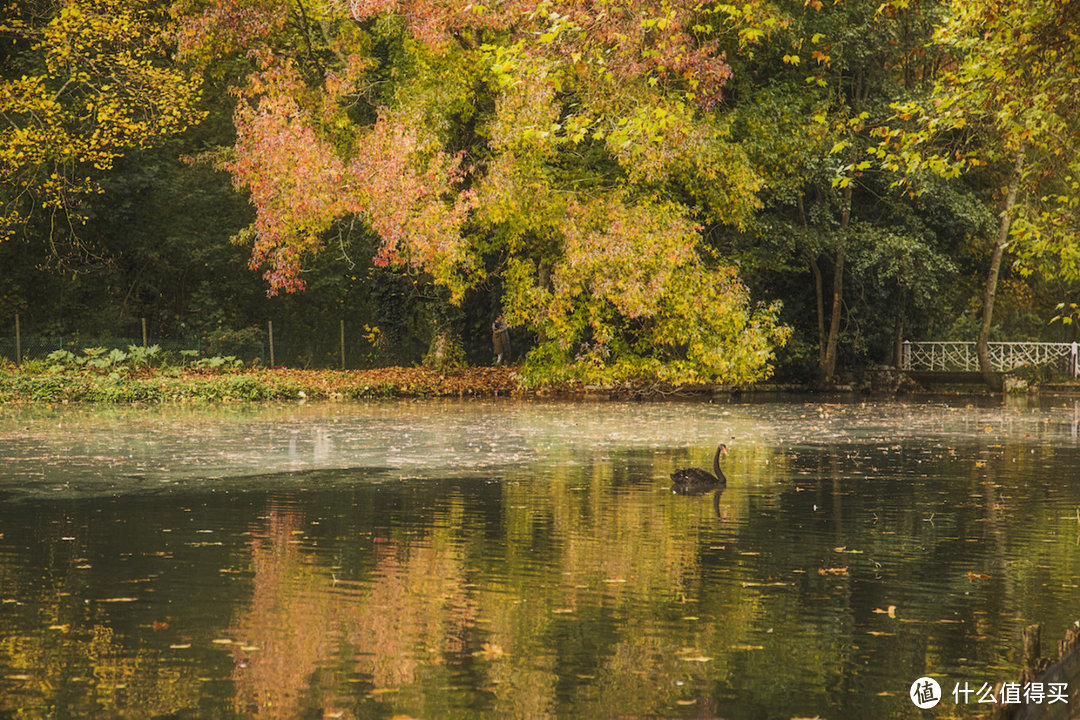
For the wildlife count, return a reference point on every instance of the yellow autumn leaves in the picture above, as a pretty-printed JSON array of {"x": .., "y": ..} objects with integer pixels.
[{"x": 91, "y": 83}]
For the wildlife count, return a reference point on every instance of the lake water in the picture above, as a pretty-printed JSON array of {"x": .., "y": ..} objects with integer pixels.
[{"x": 511, "y": 559}]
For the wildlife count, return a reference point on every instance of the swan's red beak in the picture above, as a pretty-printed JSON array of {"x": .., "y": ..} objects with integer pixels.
[{"x": 723, "y": 449}]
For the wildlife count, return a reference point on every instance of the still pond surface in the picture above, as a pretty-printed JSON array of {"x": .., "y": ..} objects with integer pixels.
[{"x": 511, "y": 559}]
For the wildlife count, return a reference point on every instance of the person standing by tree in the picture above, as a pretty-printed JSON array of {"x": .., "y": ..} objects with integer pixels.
[{"x": 500, "y": 338}]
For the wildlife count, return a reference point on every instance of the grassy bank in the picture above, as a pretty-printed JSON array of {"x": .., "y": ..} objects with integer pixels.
[{"x": 35, "y": 385}]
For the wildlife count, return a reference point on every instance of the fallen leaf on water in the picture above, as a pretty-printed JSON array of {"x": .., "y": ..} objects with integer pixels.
[
  {"x": 222, "y": 641},
  {"x": 118, "y": 599},
  {"x": 381, "y": 691},
  {"x": 747, "y": 647},
  {"x": 698, "y": 658},
  {"x": 885, "y": 693},
  {"x": 489, "y": 651},
  {"x": 686, "y": 702},
  {"x": 62, "y": 628},
  {"x": 17, "y": 677},
  {"x": 180, "y": 646},
  {"x": 832, "y": 571},
  {"x": 972, "y": 576},
  {"x": 878, "y": 633},
  {"x": 778, "y": 583},
  {"x": 891, "y": 612},
  {"x": 562, "y": 611}
]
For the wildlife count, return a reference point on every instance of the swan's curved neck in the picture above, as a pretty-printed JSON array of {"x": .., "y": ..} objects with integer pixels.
[{"x": 716, "y": 464}]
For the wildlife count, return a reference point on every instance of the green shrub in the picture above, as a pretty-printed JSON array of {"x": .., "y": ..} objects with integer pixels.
[{"x": 60, "y": 360}]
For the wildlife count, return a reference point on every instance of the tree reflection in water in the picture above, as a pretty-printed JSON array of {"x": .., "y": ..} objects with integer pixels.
[{"x": 858, "y": 549}]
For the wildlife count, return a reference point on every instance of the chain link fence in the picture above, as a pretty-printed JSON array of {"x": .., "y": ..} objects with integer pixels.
[{"x": 274, "y": 346}]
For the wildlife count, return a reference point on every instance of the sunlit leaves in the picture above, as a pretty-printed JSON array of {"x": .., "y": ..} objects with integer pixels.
[
  {"x": 571, "y": 148},
  {"x": 300, "y": 185},
  {"x": 93, "y": 86},
  {"x": 1013, "y": 87},
  {"x": 630, "y": 299}
]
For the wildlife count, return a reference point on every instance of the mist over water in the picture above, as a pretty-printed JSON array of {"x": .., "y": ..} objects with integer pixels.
[{"x": 527, "y": 559}]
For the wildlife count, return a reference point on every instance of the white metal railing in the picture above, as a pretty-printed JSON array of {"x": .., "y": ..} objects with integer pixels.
[{"x": 945, "y": 356}]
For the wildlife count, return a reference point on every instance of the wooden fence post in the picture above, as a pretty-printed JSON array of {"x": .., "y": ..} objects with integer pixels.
[
  {"x": 343, "y": 344},
  {"x": 144, "y": 332},
  {"x": 270, "y": 323},
  {"x": 18, "y": 341}
]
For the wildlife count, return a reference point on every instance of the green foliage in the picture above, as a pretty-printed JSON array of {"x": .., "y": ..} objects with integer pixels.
[
  {"x": 501, "y": 143},
  {"x": 569, "y": 173},
  {"x": 60, "y": 359},
  {"x": 81, "y": 84},
  {"x": 137, "y": 358},
  {"x": 170, "y": 384},
  {"x": 1012, "y": 96},
  {"x": 218, "y": 363},
  {"x": 140, "y": 356},
  {"x": 1068, "y": 313}
]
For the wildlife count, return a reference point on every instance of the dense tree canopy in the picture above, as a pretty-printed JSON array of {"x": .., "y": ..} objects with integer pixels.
[
  {"x": 574, "y": 150},
  {"x": 648, "y": 190},
  {"x": 81, "y": 83},
  {"x": 1011, "y": 103}
]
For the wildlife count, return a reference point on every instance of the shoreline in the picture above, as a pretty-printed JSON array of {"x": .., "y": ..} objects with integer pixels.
[{"x": 158, "y": 385}]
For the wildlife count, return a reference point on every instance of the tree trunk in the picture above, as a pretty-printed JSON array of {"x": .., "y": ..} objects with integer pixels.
[
  {"x": 982, "y": 346},
  {"x": 819, "y": 287},
  {"x": 819, "y": 293},
  {"x": 828, "y": 365}
]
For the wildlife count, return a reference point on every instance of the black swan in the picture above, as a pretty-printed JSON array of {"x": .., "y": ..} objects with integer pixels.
[{"x": 695, "y": 481}]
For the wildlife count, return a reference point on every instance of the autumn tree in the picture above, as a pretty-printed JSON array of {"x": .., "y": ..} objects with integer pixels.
[
  {"x": 81, "y": 83},
  {"x": 573, "y": 150},
  {"x": 1009, "y": 105}
]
